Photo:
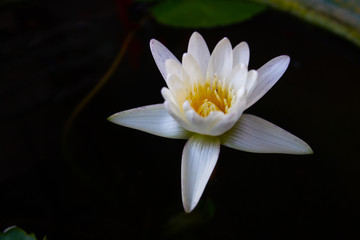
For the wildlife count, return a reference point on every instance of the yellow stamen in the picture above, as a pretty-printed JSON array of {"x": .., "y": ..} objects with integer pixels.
[
  {"x": 206, "y": 108},
  {"x": 210, "y": 96}
]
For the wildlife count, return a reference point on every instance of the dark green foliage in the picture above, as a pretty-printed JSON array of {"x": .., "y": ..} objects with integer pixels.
[{"x": 204, "y": 13}]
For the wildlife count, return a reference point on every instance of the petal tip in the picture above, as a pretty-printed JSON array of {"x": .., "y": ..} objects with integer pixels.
[
  {"x": 226, "y": 41},
  {"x": 109, "y": 118},
  {"x": 303, "y": 148},
  {"x": 196, "y": 34},
  {"x": 152, "y": 42},
  {"x": 308, "y": 150},
  {"x": 285, "y": 58},
  {"x": 244, "y": 44},
  {"x": 188, "y": 209},
  {"x": 112, "y": 118}
]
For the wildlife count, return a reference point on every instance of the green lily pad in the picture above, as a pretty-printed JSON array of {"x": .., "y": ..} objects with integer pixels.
[
  {"x": 204, "y": 13},
  {"x": 16, "y": 233}
]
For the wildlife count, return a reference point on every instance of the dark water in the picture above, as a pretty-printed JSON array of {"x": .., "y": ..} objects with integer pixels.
[{"x": 110, "y": 182}]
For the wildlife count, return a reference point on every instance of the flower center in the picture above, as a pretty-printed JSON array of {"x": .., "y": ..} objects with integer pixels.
[
  {"x": 206, "y": 107},
  {"x": 211, "y": 96}
]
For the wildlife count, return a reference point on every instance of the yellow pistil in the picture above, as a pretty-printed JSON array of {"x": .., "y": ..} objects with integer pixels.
[{"x": 209, "y": 97}]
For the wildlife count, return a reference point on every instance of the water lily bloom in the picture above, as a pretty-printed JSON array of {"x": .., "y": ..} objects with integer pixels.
[{"x": 205, "y": 98}]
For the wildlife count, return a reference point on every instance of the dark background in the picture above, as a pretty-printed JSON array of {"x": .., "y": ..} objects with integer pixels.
[{"x": 103, "y": 181}]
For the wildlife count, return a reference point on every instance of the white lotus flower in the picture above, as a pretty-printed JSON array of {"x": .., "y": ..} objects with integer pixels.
[{"x": 205, "y": 98}]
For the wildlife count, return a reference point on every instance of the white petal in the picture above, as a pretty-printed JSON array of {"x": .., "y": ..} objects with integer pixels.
[
  {"x": 238, "y": 76},
  {"x": 192, "y": 68},
  {"x": 152, "y": 119},
  {"x": 170, "y": 99},
  {"x": 200, "y": 51},
  {"x": 233, "y": 115},
  {"x": 226, "y": 123},
  {"x": 241, "y": 54},
  {"x": 207, "y": 125},
  {"x": 251, "y": 81},
  {"x": 254, "y": 134},
  {"x": 174, "y": 67},
  {"x": 268, "y": 75},
  {"x": 238, "y": 105},
  {"x": 161, "y": 54},
  {"x": 221, "y": 60},
  {"x": 174, "y": 110},
  {"x": 176, "y": 87},
  {"x": 199, "y": 158},
  {"x": 178, "y": 117}
]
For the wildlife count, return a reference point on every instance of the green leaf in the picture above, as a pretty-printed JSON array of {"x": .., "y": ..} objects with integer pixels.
[
  {"x": 204, "y": 13},
  {"x": 15, "y": 233}
]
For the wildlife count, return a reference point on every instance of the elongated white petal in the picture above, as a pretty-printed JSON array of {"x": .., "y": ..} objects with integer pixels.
[
  {"x": 254, "y": 134},
  {"x": 268, "y": 75},
  {"x": 241, "y": 54},
  {"x": 200, "y": 51},
  {"x": 221, "y": 60},
  {"x": 192, "y": 69},
  {"x": 152, "y": 119},
  {"x": 161, "y": 54},
  {"x": 199, "y": 158}
]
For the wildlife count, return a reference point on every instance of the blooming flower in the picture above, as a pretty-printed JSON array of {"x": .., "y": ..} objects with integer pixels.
[{"x": 205, "y": 98}]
